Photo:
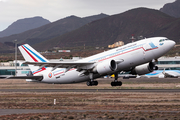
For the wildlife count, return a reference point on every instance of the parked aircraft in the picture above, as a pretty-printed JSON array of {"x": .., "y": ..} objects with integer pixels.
[
  {"x": 138, "y": 57},
  {"x": 164, "y": 73}
]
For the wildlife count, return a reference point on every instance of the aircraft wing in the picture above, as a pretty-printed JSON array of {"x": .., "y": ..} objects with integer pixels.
[
  {"x": 62, "y": 64},
  {"x": 39, "y": 78},
  {"x": 68, "y": 65},
  {"x": 82, "y": 65}
]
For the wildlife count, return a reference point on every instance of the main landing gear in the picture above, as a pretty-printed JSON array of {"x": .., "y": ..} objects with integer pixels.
[
  {"x": 91, "y": 82},
  {"x": 116, "y": 82}
]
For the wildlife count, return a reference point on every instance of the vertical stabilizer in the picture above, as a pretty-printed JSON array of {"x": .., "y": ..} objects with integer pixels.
[{"x": 31, "y": 55}]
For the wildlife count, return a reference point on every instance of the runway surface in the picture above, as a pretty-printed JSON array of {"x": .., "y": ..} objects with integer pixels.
[
  {"x": 101, "y": 81},
  {"x": 89, "y": 90},
  {"x": 26, "y": 111}
]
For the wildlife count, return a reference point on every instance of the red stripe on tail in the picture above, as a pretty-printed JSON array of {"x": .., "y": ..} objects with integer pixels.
[{"x": 30, "y": 55}]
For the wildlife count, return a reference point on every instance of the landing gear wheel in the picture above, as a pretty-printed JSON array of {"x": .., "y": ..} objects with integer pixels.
[
  {"x": 92, "y": 83},
  {"x": 89, "y": 83},
  {"x": 95, "y": 83},
  {"x": 118, "y": 83}
]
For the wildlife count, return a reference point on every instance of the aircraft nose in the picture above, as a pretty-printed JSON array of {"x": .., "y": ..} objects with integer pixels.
[{"x": 172, "y": 43}]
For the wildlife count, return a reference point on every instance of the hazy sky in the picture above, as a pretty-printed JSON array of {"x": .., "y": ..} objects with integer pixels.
[{"x": 12, "y": 10}]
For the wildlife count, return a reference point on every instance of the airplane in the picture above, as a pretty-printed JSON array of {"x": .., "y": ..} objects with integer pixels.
[
  {"x": 166, "y": 73},
  {"x": 138, "y": 57}
]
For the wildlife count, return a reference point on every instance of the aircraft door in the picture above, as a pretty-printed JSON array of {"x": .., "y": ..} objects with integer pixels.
[{"x": 147, "y": 50}]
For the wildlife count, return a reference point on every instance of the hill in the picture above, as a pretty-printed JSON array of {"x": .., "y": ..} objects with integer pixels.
[
  {"x": 23, "y": 25},
  {"x": 120, "y": 27},
  {"x": 170, "y": 30},
  {"x": 51, "y": 30},
  {"x": 172, "y": 9},
  {"x": 95, "y": 17}
]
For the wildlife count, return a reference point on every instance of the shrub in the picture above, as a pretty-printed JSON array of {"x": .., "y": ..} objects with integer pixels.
[
  {"x": 142, "y": 119},
  {"x": 70, "y": 117}
]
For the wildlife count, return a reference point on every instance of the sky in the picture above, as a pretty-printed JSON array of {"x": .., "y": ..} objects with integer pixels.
[{"x": 53, "y": 10}]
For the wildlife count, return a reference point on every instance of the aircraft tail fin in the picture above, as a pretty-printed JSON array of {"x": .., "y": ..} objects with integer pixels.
[
  {"x": 31, "y": 55},
  {"x": 163, "y": 72}
]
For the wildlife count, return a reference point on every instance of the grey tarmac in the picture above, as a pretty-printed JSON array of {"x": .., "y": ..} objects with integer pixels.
[
  {"x": 26, "y": 111},
  {"x": 89, "y": 90}
]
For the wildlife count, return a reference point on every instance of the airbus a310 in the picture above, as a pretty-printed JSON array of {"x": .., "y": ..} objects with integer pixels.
[{"x": 138, "y": 57}]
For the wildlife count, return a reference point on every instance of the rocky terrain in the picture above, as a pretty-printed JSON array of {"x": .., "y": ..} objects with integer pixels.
[{"x": 172, "y": 9}]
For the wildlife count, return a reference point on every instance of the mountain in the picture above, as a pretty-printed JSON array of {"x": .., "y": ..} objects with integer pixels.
[
  {"x": 23, "y": 25},
  {"x": 120, "y": 27},
  {"x": 170, "y": 30},
  {"x": 95, "y": 17},
  {"x": 77, "y": 32},
  {"x": 172, "y": 9},
  {"x": 51, "y": 30}
]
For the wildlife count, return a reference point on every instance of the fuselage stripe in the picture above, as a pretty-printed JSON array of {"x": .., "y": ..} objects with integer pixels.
[
  {"x": 127, "y": 52},
  {"x": 39, "y": 70}
]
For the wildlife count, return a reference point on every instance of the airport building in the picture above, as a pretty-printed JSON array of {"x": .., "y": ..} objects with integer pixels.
[
  {"x": 8, "y": 68},
  {"x": 169, "y": 62}
]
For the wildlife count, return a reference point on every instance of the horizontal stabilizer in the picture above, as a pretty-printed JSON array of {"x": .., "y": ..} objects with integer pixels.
[{"x": 38, "y": 78}]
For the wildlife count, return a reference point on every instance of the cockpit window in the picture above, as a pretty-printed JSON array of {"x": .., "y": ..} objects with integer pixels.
[{"x": 162, "y": 40}]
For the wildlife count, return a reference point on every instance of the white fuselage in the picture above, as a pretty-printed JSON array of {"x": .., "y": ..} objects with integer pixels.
[{"x": 130, "y": 55}]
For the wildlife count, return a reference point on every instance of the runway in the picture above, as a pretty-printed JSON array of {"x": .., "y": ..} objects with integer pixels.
[
  {"x": 9, "y": 87},
  {"x": 89, "y": 90},
  {"x": 26, "y": 111}
]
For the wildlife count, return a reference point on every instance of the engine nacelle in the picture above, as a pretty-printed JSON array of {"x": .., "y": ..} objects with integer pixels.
[
  {"x": 144, "y": 68},
  {"x": 105, "y": 67}
]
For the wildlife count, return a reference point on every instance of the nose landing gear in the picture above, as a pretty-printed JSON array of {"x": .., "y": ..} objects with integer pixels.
[{"x": 116, "y": 83}]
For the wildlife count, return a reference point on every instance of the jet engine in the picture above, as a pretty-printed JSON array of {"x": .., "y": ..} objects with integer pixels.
[
  {"x": 105, "y": 67},
  {"x": 144, "y": 68}
]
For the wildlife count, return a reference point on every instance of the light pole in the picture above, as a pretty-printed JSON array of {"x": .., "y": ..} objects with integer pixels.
[{"x": 15, "y": 56}]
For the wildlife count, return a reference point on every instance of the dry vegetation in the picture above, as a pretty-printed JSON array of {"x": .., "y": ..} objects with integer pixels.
[
  {"x": 136, "y": 105},
  {"x": 97, "y": 116}
]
